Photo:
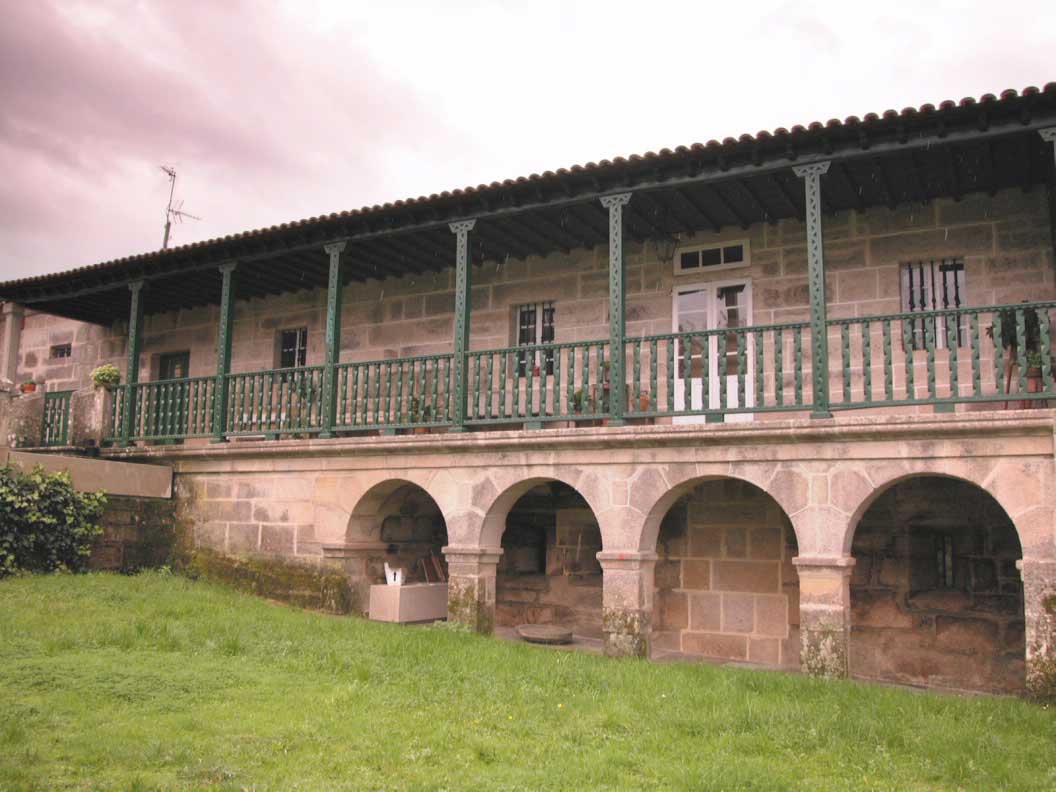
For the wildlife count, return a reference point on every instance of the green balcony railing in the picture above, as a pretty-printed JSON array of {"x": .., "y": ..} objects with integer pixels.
[
  {"x": 940, "y": 358},
  {"x": 387, "y": 394},
  {"x": 943, "y": 358},
  {"x": 539, "y": 383},
  {"x": 56, "y": 430},
  {"x": 713, "y": 373}
]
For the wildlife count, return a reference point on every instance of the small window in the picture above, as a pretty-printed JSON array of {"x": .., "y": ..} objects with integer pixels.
[
  {"x": 944, "y": 560},
  {"x": 60, "y": 351},
  {"x": 937, "y": 285},
  {"x": 732, "y": 254},
  {"x": 535, "y": 325},
  {"x": 293, "y": 347}
]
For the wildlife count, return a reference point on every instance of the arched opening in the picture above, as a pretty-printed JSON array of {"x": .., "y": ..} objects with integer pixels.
[
  {"x": 399, "y": 524},
  {"x": 725, "y": 584},
  {"x": 549, "y": 572},
  {"x": 936, "y": 598}
]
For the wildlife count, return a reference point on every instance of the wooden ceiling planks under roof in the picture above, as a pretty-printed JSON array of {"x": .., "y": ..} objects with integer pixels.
[{"x": 911, "y": 156}]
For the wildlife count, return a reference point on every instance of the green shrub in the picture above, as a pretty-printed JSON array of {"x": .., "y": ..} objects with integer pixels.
[
  {"x": 105, "y": 375},
  {"x": 45, "y": 524}
]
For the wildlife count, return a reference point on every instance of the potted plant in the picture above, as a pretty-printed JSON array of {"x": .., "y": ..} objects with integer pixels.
[
  {"x": 29, "y": 386},
  {"x": 1031, "y": 351},
  {"x": 419, "y": 413},
  {"x": 105, "y": 376}
]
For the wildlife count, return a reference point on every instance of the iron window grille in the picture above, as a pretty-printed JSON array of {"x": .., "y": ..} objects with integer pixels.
[
  {"x": 935, "y": 285},
  {"x": 293, "y": 347},
  {"x": 60, "y": 351},
  {"x": 535, "y": 325}
]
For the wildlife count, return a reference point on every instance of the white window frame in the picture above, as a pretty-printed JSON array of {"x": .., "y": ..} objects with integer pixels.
[{"x": 698, "y": 271}]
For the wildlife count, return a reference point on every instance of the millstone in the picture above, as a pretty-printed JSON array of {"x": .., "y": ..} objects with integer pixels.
[{"x": 545, "y": 633}]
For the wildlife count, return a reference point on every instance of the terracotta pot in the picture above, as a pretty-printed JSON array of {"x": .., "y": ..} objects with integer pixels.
[
  {"x": 29, "y": 387},
  {"x": 643, "y": 403},
  {"x": 421, "y": 430}
]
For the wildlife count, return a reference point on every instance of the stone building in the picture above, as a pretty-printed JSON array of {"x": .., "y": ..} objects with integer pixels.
[{"x": 780, "y": 399}]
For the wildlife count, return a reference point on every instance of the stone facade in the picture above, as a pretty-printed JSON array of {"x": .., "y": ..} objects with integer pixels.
[
  {"x": 784, "y": 500},
  {"x": 726, "y": 586},
  {"x": 936, "y": 597},
  {"x": 1004, "y": 241}
]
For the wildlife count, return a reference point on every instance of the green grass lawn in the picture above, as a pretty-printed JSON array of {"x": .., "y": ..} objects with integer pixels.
[{"x": 157, "y": 682}]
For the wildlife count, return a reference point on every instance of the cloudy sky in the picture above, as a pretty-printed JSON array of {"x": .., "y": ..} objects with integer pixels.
[{"x": 274, "y": 111}]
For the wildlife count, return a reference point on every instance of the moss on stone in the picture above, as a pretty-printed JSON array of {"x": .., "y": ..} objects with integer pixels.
[
  {"x": 297, "y": 584},
  {"x": 824, "y": 653}
]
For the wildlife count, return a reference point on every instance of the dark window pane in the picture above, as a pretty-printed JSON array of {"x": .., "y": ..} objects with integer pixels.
[
  {"x": 690, "y": 260},
  {"x": 711, "y": 257},
  {"x": 733, "y": 254}
]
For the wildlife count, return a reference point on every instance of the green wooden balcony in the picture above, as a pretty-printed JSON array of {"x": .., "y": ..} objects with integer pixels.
[{"x": 995, "y": 354}]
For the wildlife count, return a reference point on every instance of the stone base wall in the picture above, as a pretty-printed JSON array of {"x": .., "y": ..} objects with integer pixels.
[
  {"x": 911, "y": 625},
  {"x": 725, "y": 584},
  {"x": 138, "y": 533}
]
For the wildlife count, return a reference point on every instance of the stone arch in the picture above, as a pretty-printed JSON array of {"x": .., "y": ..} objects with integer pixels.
[
  {"x": 935, "y": 595},
  {"x": 548, "y": 537},
  {"x": 725, "y": 583},
  {"x": 790, "y": 496},
  {"x": 493, "y": 502},
  {"x": 999, "y": 483}
]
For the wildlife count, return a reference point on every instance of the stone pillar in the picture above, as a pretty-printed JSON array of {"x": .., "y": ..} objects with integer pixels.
[
  {"x": 14, "y": 315},
  {"x": 1039, "y": 604},
  {"x": 25, "y": 421},
  {"x": 471, "y": 586},
  {"x": 89, "y": 416},
  {"x": 7, "y": 397},
  {"x": 824, "y": 615},
  {"x": 627, "y": 602}
]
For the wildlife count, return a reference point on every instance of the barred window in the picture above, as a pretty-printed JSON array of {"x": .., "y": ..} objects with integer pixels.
[
  {"x": 535, "y": 325},
  {"x": 59, "y": 351},
  {"x": 935, "y": 285},
  {"x": 293, "y": 347}
]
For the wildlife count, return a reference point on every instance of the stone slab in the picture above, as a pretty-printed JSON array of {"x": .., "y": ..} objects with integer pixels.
[{"x": 415, "y": 602}]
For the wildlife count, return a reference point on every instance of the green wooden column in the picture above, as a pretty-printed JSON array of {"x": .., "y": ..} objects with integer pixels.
[
  {"x": 617, "y": 308},
  {"x": 1049, "y": 136},
  {"x": 462, "y": 310},
  {"x": 333, "y": 337},
  {"x": 135, "y": 342},
  {"x": 223, "y": 351},
  {"x": 819, "y": 331}
]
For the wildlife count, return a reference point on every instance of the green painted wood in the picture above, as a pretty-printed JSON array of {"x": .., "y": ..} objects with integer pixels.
[
  {"x": 845, "y": 361},
  {"x": 977, "y": 369},
  {"x": 907, "y": 345},
  {"x": 687, "y": 369},
  {"x": 504, "y": 384},
  {"x": 1021, "y": 348},
  {"x": 867, "y": 361},
  {"x": 952, "y": 323},
  {"x": 636, "y": 377},
  {"x": 889, "y": 373},
  {"x": 1045, "y": 348},
  {"x": 929, "y": 343},
  {"x": 722, "y": 366},
  {"x": 135, "y": 341},
  {"x": 779, "y": 368},
  {"x": 617, "y": 307},
  {"x": 223, "y": 349},
  {"x": 798, "y": 354},
  {"x": 462, "y": 319},
  {"x": 742, "y": 366},
  {"x": 760, "y": 384},
  {"x": 654, "y": 393},
  {"x": 811, "y": 175},
  {"x": 670, "y": 400},
  {"x": 56, "y": 428}
]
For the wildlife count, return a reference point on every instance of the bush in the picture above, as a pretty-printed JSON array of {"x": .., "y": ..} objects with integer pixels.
[
  {"x": 105, "y": 376},
  {"x": 45, "y": 524}
]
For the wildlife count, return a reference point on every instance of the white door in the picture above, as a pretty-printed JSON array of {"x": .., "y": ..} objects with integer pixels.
[{"x": 713, "y": 306}]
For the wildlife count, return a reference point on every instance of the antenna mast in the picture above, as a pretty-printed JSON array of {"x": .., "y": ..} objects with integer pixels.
[{"x": 172, "y": 211}]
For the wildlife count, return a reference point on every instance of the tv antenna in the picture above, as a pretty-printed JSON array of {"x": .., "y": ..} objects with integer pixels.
[{"x": 173, "y": 210}]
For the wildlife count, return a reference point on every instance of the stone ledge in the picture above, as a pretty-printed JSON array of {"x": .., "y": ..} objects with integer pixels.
[{"x": 1027, "y": 423}]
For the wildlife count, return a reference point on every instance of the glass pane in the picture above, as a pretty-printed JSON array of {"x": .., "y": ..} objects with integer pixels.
[
  {"x": 733, "y": 254},
  {"x": 689, "y": 260},
  {"x": 711, "y": 257}
]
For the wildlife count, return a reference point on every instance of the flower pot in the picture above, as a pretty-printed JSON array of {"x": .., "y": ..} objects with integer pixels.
[{"x": 28, "y": 387}]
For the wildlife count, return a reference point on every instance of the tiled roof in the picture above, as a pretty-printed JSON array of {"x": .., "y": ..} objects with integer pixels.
[{"x": 728, "y": 145}]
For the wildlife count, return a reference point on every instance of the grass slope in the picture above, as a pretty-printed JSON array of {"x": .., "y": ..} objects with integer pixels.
[{"x": 157, "y": 682}]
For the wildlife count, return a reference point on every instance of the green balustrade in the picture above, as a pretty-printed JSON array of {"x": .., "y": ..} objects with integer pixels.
[{"x": 56, "y": 429}]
